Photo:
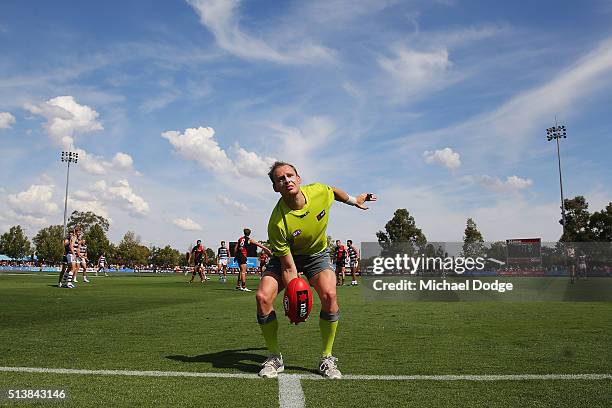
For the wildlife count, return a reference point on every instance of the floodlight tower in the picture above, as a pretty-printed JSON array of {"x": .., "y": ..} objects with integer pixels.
[
  {"x": 68, "y": 157},
  {"x": 555, "y": 133}
]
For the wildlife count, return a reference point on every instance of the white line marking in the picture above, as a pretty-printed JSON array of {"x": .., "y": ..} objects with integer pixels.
[
  {"x": 28, "y": 274},
  {"x": 290, "y": 393},
  {"x": 127, "y": 372},
  {"x": 482, "y": 377},
  {"x": 466, "y": 377}
]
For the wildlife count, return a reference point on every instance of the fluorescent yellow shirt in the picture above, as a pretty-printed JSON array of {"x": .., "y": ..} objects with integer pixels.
[{"x": 301, "y": 232}]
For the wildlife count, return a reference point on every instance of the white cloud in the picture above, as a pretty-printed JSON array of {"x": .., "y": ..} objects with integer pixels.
[
  {"x": 220, "y": 17},
  {"x": 200, "y": 145},
  {"x": 531, "y": 110},
  {"x": 92, "y": 164},
  {"x": 6, "y": 120},
  {"x": 97, "y": 165},
  {"x": 159, "y": 102},
  {"x": 88, "y": 201},
  {"x": 251, "y": 164},
  {"x": 302, "y": 139},
  {"x": 526, "y": 115},
  {"x": 123, "y": 161},
  {"x": 36, "y": 201},
  {"x": 456, "y": 37},
  {"x": 122, "y": 193},
  {"x": 65, "y": 118},
  {"x": 237, "y": 208},
  {"x": 415, "y": 72},
  {"x": 512, "y": 183},
  {"x": 446, "y": 157},
  {"x": 187, "y": 224},
  {"x": 31, "y": 220}
]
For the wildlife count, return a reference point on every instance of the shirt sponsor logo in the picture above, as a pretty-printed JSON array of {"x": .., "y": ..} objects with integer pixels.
[
  {"x": 321, "y": 215},
  {"x": 296, "y": 233}
]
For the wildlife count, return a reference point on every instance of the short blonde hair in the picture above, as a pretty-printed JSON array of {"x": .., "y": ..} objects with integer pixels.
[{"x": 278, "y": 164}]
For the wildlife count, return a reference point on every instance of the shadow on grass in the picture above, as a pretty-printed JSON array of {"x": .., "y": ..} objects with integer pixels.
[{"x": 240, "y": 360}]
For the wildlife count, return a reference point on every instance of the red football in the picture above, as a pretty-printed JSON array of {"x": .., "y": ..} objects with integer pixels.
[{"x": 297, "y": 300}]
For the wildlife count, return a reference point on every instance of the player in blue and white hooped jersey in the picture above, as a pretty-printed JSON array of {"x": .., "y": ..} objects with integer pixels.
[
  {"x": 102, "y": 265},
  {"x": 72, "y": 257},
  {"x": 353, "y": 260},
  {"x": 222, "y": 261},
  {"x": 82, "y": 260}
]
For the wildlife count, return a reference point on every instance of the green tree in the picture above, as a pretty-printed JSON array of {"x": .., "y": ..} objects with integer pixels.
[
  {"x": 498, "y": 251},
  {"x": 211, "y": 256},
  {"x": 15, "y": 243},
  {"x": 600, "y": 224},
  {"x": 130, "y": 251},
  {"x": 111, "y": 256},
  {"x": 49, "y": 245},
  {"x": 165, "y": 257},
  {"x": 401, "y": 234},
  {"x": 86, "y": 220},
  {"x": 473, "y": 243},
  {"x": 97, "y": 243},
  {"x": 577, "y": 218}
]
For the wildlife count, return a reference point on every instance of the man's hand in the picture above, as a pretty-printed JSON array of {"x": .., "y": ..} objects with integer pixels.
[
  {"x": 362, "y": 198},
  {"x": 288, "y": 269}
]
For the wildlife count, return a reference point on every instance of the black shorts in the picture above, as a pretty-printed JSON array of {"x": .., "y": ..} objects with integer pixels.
[
  {"x": 309, "y": 265},
  {"x": 340, "y": 265},
  {"x": 241, "y": 259}
]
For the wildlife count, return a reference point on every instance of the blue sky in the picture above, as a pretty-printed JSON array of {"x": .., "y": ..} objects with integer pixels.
[{"x": 178, "y": 108}]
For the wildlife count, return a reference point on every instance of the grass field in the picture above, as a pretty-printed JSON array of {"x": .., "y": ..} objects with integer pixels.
[{"x": 161, "y": 324}]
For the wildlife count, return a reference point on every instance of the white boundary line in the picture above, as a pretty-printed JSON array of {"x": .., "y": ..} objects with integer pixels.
[
  {"x": 465, "y": 377},
  {"x": 290, "y": 393}
]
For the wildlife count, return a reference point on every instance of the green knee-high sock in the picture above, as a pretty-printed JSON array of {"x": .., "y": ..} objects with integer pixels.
[
  {"x": 269, "y": 329},
  {"x": 328, "y": 322}
]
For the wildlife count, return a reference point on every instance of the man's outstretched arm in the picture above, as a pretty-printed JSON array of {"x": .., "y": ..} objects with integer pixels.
[{"x": 359, "y": 201}]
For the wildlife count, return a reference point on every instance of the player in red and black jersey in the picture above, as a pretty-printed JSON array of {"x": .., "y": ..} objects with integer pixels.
[
  {"x": 241, "y": 254},
  {"x": 200, "y": 258},
  {"x": 263, "y": 261},
  {"x": 340, "y": 259}
]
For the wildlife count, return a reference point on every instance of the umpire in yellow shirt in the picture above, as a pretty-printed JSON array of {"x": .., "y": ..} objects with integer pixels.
[{"x": 297, "y": 233}]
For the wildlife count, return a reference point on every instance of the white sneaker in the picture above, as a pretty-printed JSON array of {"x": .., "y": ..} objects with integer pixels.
[
  {"x": 246, "y": 290},
  {"x": 85, "y": 280},
  {"x": 75, "y": 280},
  {"x": 69, "y": 285},
  {"x": 328, "y": 368},
  {"x": 354, "y": 283},
  {"x": 272, "y": 366}
]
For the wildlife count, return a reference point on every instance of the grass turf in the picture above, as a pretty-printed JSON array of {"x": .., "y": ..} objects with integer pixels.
[{"x": 161, "y": 323}]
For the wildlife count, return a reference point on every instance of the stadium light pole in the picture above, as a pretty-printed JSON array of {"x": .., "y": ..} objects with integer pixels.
[
  {"x": 555, "y": 133},
  {"x": 68, "y": 157}
]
